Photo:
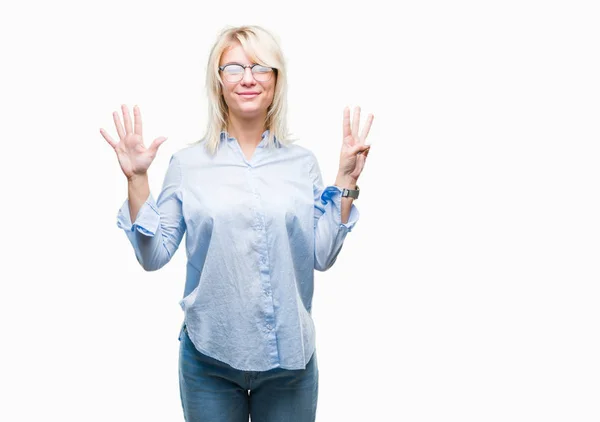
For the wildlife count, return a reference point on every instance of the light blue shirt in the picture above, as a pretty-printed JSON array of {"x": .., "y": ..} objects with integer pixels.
[{"x": 256, "y": 231}]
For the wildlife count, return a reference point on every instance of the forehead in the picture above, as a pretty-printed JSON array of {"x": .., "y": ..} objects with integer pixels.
[{"x": 234, "y": 53}]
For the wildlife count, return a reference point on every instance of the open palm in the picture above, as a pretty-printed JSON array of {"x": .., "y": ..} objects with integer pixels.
[{"x": 134, "y": 158}]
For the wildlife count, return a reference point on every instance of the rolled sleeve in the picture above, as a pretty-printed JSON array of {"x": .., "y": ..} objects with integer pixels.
[
  {"x": 329, "y": 230},
  {"x": 159, "y": 226},
  {"x": 147, "y": 221},
  {"x": 331, "y": 199}
]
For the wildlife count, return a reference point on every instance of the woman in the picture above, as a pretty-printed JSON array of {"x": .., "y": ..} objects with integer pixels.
[{"x": 258, "y": 222}]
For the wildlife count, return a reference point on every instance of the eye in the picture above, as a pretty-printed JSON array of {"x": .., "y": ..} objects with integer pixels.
[
  {"x": 261, "y": 69},
  {"x": 233, "y": 69}
]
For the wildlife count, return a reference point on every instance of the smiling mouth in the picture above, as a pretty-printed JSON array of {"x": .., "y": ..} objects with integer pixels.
[{"x": 248, "y": 94}]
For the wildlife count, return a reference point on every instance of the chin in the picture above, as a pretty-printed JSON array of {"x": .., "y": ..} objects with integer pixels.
[{"x": 251, "y": 110}]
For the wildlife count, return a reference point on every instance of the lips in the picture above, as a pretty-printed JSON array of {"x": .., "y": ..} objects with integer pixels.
[{"x": 249, "y": 94}]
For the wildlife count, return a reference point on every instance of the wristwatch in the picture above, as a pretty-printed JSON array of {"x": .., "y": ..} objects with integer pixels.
[{"x": 350, "y": 193}]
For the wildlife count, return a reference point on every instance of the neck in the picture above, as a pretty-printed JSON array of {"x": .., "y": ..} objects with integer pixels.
[{"x": 247, "y": 132}]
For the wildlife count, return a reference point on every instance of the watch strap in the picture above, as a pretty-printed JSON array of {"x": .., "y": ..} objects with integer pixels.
[{"x": 350, "y": 193}]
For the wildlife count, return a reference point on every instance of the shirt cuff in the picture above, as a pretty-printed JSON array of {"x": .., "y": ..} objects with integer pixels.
[
  {"x": 147, "y": 220},
  {"x": 333, "y": 195}
]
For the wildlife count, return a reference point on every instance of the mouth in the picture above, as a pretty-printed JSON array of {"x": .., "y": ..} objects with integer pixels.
[{"x": 248, "y": 94}]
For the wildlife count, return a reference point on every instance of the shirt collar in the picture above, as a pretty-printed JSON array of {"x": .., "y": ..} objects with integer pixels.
[{"x": 263, "y": 139}]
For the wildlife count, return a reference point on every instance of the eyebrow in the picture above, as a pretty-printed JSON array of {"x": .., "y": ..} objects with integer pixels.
[{"x": 225, "y": 64}]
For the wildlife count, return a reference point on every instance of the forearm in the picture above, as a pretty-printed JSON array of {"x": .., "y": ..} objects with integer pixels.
[
  {"x": 148, "y": 240},
  {"x": 347, "y": 182},
  {"x": 138, "y": 191}
]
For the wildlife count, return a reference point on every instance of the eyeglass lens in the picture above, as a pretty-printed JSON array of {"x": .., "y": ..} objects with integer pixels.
[{"x": 235, "y": 72}]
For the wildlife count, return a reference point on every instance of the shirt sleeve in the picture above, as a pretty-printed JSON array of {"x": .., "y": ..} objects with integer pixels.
[
  {"x": 330, "y": 232},
  {"x": 159, "y": 226}
]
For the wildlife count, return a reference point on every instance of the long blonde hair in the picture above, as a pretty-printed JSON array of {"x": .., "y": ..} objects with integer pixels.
[{"x": 262, "y": 48}]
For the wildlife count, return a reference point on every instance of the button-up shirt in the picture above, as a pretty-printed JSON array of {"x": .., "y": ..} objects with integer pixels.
[{"x": 256, "y": 231}]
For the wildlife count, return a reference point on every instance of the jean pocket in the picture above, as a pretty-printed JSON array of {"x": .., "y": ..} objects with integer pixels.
[{"x": 182, "y": 331}]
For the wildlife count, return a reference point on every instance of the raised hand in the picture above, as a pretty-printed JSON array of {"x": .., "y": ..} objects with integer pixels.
[
  {"x": 134, "y": 157},
  {"x": 354, "y": 149}
]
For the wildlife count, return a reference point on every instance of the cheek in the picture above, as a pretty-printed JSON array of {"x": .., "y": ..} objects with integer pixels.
[
  {"x": 271, "y": 94},
  {"x": 226, "y": 90},
  {"x": 227, "y": 94},
  {"x": 270, "y": 100}
]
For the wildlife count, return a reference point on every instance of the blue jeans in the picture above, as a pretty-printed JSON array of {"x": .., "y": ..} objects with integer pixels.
[{"x": 213, "y": 391}]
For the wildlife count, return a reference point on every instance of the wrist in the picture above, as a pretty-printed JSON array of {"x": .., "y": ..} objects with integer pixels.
[
  {"x": 137, "y": 178},
  {"x": 345, "y": 181}
]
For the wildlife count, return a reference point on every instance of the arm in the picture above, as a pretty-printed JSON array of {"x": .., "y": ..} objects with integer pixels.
[
  {"x": 330, "y": 226},
  {"x": 347, "y": 182},
  {"x": 138, "y": 190},
  {"x": 159, "y": 226},
  {"x": 335, "y": 216}
]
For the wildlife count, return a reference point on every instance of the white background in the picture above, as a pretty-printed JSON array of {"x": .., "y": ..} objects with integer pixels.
[{"x": 468, "y": 290}]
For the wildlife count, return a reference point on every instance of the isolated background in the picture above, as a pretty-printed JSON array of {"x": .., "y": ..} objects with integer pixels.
[{"x": 468, "y": 290}]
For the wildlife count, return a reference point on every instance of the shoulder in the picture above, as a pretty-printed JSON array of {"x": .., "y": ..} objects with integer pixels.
[
  {"x": 298, "y": 151},
  {"x": 305, "y": 158},
  {"x": 192, "y": 153}
]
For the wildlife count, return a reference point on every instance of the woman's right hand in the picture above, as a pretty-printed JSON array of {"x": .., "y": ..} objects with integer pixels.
[{"x": 134, "y": 157}]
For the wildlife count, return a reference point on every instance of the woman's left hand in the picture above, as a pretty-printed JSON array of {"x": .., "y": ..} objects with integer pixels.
[{"x": 354, "y": 150}]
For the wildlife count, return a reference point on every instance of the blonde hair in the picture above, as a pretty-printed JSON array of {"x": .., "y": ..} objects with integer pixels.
[{"x": 262, "y": 48}]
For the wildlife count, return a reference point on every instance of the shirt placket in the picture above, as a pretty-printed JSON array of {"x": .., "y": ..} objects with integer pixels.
[{"x": 259, "y": 227}]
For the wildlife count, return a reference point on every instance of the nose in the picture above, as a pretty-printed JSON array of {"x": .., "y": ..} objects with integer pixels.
[{"x": 248, "y": 78}]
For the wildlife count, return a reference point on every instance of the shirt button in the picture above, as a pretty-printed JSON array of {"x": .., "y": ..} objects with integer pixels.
[
  {"x": 268, "y": 326},
  {"x": 267, "y": 292}
]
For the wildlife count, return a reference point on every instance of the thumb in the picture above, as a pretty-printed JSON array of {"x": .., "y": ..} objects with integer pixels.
[{"x": 156, "y": 143}]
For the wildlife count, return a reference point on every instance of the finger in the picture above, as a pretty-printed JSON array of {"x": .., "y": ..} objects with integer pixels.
[
  {"x": 118, "y": 124},
  {"x": 359, "y": 149},
  {"x": 126, "y": 119},
  {"x": 137, "y": 118},
  {"x": 355, "y": 122},
  {"x": 361, "y": 162},
  {"x": 157, "y": 143},
  {"x": 108, "y": 138},
  {"x": 366, "y": 128},
  {"x": 347, "y": 122}
]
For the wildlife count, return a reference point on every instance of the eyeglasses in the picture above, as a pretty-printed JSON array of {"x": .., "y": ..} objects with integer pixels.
[{"x": 235, "y": 72}]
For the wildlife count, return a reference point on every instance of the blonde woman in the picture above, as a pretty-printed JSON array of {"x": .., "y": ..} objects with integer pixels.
[{"x": 259, "y": 221}]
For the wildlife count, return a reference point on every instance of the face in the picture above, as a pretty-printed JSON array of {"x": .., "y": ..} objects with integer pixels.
[{"x": 247, "y": 98}]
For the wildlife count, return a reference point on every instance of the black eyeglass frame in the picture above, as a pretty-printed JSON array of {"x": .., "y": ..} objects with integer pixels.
[{"x": 251, "y": 66}]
